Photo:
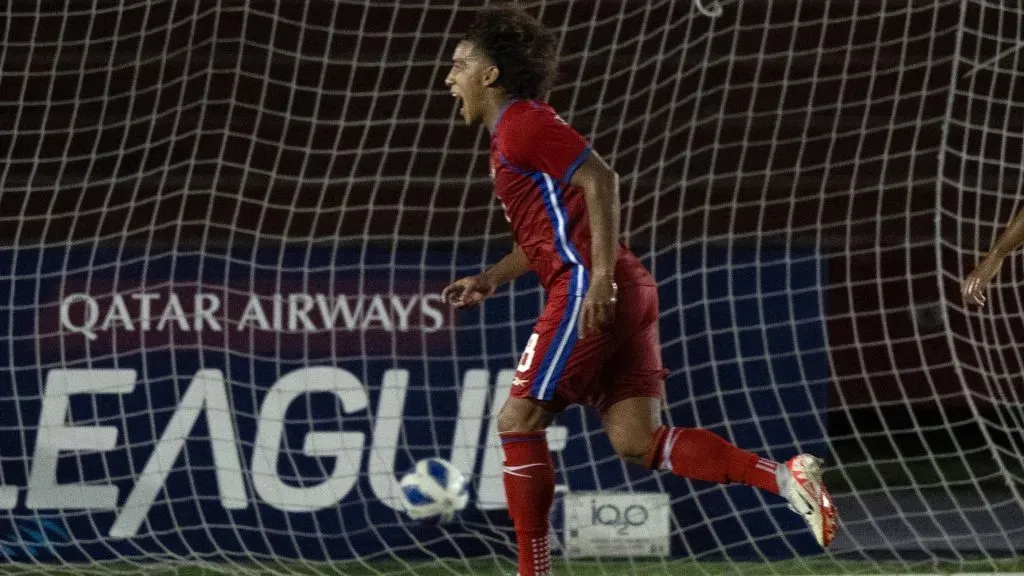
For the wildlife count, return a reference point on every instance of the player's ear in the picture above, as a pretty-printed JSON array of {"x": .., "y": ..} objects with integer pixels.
[{"x": 491, "y": 76}]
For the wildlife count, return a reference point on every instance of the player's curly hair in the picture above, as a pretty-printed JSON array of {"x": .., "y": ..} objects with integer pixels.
[{"x": 520, "y": 46}]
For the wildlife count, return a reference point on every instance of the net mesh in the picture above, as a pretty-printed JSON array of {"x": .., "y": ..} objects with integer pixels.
[
  {"x": 981, "y": 175},
  {"x": 226, "y": 225}
]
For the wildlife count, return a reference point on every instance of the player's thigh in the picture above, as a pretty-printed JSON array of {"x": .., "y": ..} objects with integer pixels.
[
  {"x": 635, "y": 368},
  {"x": 633, "y": 382},
  {"x": 556, "y": 366}
]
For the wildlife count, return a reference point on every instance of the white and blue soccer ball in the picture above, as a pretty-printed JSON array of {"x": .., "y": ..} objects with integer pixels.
[{"x": 434, "y": 489}]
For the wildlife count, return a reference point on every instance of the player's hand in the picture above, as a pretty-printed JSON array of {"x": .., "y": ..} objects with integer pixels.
[
  {"x": 973, "y": 287},
  {"x": 470, "y": 291},
  {"x": 598, "y": 306}
]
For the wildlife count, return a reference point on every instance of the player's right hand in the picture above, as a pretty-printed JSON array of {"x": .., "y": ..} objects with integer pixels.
[
  {"x": 470, "y": 291},
  {"x": 973, "y": 287}
]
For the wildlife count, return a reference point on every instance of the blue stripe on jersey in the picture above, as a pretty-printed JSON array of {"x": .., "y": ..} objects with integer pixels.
[
  {"x": 558, "y": 217},
  {"x": 550, "y": 370},
  {"x": 558, "y": 214},
  {"x": 562, "y": 235},
  {"x": 512, "y": 166},
  {"x": 561, "y": 345},
  {"x": 557, "y": 354},
  {"x": 575, "y": 166}
]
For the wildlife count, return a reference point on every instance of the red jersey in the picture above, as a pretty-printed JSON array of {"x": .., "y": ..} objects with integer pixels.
[{"x": 534, "y": 154}]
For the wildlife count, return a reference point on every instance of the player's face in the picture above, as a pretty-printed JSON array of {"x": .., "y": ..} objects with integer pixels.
[{"x": 471, "y": 74}]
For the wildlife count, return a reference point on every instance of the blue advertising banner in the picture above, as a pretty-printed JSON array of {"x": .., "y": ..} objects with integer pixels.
[{"x": 266, "y": 401}]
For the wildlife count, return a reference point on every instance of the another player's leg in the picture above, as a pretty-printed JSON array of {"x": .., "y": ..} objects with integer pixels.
[{"x": 529, "y": 477}]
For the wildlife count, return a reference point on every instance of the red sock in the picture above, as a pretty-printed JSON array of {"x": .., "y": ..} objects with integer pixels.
[
  {"x": 703, "y": 455},
  {"x": 529, "y": 488}
]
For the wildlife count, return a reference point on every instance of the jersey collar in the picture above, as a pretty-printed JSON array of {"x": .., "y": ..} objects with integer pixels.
[{"x": 497, "y": 119}]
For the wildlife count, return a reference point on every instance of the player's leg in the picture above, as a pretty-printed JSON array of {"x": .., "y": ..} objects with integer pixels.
[
  {"x": 538, "y": 392},
  {"x": 634, "y": 428},
  {"x": 529, "y": 478},
  {"x": 632, "y": 425},
  {"x": 631, "y": 410}
]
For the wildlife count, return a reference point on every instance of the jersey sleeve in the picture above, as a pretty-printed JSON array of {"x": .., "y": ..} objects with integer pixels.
[{"x": 537, "y": 140}]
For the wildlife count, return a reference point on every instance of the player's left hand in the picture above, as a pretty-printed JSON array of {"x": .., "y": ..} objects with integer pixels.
[{"x": 598, "y": 306}]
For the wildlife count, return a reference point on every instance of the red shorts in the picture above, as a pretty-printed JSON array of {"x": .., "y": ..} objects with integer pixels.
[{"x": 623, "y": 361}]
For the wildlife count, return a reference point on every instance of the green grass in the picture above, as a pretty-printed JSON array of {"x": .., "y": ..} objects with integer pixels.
[{"x": 504, "y": 567}]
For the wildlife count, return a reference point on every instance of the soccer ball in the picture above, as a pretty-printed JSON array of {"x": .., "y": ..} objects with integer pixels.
[{"x": 434, "y": 489}]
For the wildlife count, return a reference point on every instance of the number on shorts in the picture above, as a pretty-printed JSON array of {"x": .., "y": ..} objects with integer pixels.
[{"x": 527, "y": 358}]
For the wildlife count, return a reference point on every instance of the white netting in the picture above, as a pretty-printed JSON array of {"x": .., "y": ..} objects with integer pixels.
[
  {"x": 226, "y": 225},
  {"x": 982, "y": 174}
]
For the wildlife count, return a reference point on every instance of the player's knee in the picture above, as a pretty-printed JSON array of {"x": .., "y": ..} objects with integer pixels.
[
  {"x": 520, "y": 415},
  {"x": 631, "y": 443}
]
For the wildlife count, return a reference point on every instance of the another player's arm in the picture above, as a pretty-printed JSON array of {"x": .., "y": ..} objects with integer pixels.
[
  {"x": 600, "y": 186},
  {"x": 973, "y": 288},
  {"x": 471, "y": 291}
]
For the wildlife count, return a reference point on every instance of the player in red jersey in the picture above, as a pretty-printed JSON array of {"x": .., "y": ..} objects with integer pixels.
[{"x": 596, "y": 342}]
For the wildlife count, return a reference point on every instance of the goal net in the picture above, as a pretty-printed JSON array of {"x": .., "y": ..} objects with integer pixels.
[
  {"x": 225, "y": 227},
  {"x": 981, "y": 177}
]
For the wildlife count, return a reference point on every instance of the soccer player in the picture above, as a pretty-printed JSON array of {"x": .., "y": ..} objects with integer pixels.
[
  {"x": 973, "y": 288},
  {"x": 596, "y": 342}
]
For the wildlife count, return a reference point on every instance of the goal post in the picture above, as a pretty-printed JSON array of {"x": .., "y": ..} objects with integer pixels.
[{"x": 225, "y": 228}]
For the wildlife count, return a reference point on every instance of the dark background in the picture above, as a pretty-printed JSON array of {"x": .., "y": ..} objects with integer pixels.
[{"x": 177, "y": 125}]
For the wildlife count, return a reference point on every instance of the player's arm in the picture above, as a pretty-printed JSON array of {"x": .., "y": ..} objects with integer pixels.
[
  {"x": 600, "y": 185},
  {"x": 508, "y": 268},
  {"x": 973, "y": 288},
  {"x": 472, "y": 290}
]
